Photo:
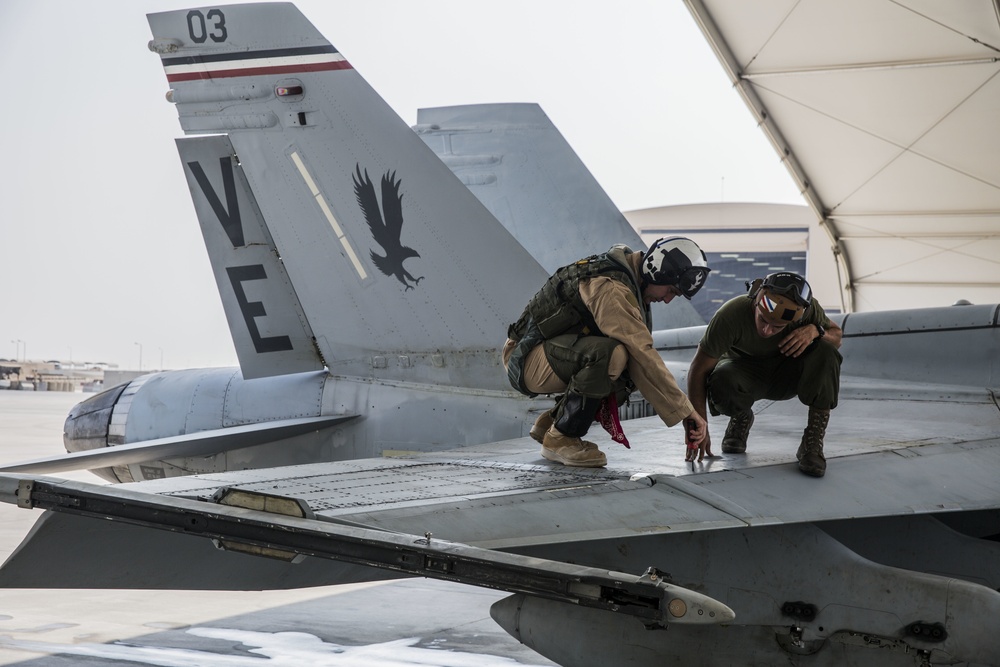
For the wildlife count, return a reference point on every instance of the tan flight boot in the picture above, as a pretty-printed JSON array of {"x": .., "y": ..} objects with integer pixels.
[
  {"x": 542, "y": 424},
  {"x": 735, "y": 439},
  {"x": 571, "y": 451},
  {"x": 810, "y": 454}
]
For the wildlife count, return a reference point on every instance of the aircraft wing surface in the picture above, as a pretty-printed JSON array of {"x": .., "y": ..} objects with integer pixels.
[{"x": 893, "y": 450}]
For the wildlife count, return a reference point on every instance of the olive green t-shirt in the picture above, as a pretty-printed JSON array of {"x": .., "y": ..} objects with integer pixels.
[{"x": 732, "y": 332}]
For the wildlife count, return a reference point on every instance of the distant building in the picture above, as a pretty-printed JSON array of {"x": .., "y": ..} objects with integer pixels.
[{"x": 52, "y": 375}]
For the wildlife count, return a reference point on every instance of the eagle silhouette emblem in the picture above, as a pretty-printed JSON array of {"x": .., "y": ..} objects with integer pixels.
[{"x": 386, "y": 224}]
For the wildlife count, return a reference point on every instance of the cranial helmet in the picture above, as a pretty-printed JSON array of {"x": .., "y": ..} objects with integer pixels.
[
  {"x": 676, "y": 261},
  {"x": 781, "y": 298}
]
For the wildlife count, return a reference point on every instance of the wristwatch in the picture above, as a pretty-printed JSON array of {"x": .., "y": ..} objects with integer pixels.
[{"x": 821, "y": 330}]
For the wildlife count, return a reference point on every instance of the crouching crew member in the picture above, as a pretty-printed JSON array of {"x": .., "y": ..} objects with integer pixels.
[
  {"x": 775, "y": 343},
  {"x": 587, "y": 335}
]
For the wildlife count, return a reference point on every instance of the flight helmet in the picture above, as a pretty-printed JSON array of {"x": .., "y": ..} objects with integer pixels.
[
  {"x": 781, "y": 298},
  {"x": 676, "y": 261}
]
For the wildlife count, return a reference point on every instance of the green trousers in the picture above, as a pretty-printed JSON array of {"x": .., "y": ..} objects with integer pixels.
[{"x": 814, "y": 377}]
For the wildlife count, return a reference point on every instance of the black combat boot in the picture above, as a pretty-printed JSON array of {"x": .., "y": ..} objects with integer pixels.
[
  {"x": 735, "y": 440},
  {"x": 810, "y": 454}
]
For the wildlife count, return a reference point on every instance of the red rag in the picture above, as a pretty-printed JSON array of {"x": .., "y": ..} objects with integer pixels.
[{"x": 607, "y": 414}]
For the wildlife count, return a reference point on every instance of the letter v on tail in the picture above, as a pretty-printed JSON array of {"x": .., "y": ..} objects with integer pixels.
[{"x": 386, "y": 229}]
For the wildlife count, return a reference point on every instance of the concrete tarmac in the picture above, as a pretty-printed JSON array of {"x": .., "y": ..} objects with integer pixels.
[{"x": 389, "y": 624}]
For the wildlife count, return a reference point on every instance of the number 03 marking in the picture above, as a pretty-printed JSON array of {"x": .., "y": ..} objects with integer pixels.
[{"x": 202, "y": 26}]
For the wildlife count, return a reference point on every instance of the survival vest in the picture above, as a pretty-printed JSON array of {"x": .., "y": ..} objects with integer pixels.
[{"x": 557, "y": 308}]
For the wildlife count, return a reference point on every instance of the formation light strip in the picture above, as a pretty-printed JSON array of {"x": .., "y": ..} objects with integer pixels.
[{"x": 321, "y": 202}]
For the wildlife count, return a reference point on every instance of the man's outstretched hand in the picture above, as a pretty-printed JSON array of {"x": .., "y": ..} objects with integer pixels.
[{"x": 696, "y": 437}]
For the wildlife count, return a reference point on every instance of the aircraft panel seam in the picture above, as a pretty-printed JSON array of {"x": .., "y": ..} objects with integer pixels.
[
  {"x": 868, "y": 334},
  {"x": 714, "y": 500}
]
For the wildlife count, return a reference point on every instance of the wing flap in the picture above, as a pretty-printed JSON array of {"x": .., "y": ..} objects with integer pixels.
[{"x": 249, "y": 525}]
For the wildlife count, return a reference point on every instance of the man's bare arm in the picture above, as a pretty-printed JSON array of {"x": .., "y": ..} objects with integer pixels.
[{"x": 697, "y": 385}]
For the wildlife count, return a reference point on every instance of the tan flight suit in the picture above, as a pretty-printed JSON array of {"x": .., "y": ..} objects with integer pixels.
[{"x": 618, "y": 316}]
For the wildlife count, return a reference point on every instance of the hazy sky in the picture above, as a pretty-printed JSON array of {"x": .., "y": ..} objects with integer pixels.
[{"x": 101, "y": 250}]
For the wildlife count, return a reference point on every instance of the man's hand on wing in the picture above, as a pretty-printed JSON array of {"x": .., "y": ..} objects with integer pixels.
[{"x": 696, "y": 437}]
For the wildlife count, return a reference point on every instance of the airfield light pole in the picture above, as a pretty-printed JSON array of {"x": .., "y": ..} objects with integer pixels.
[
  {"x": 140, "y": 355},
  {"x": 17, "y": 349}
]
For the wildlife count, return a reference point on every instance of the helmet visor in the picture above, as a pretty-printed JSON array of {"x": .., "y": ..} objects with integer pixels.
[{"x": 692, "y": 280}]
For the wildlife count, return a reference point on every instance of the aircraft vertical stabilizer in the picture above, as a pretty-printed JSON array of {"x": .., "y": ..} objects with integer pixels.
[
  {"x": 372, "y": 228},
  {"x": 515, "y": 160}
]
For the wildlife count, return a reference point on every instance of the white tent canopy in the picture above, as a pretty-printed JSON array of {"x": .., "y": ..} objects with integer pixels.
[{"x": 887, "y": 115}]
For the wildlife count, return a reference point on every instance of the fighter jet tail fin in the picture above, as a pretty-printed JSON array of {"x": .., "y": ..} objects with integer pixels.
[
  {"x": 369, "y": 226},
  {"x": 515, "y": 160}
]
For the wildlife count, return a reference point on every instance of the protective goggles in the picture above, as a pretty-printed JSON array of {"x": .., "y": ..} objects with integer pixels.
[{"x": 790, "y": 285}]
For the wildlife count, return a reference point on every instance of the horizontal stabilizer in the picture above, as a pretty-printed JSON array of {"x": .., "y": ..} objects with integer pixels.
[{"x": 202, "y": 443}]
